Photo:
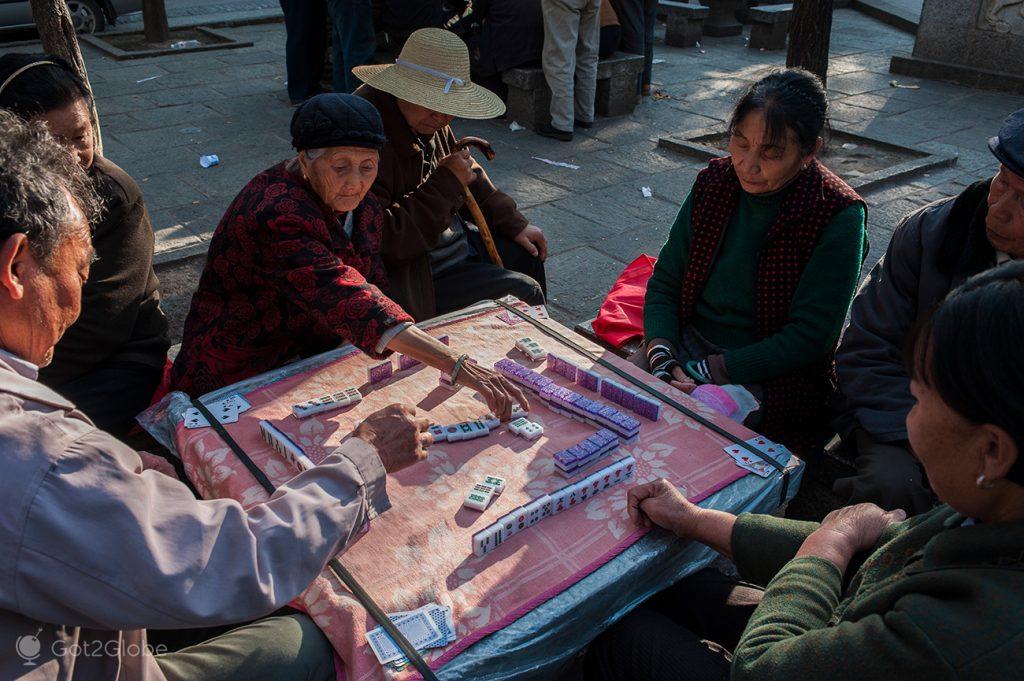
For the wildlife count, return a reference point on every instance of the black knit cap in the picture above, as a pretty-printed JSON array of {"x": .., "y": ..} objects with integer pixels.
[{"x": 337, "y": 120}]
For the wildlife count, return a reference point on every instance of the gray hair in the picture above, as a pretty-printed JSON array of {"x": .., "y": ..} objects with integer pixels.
[
  {"x": 37, "y": 174},
  {"x": 314, "y": 154}
]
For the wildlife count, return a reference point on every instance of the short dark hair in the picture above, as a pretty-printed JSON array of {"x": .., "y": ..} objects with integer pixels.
[
  {"x": 970, "y": 352},
  {"x": 41, "y": 88},
  {"x": 36, "y": 175},
  {"x": 789, "y": 99}
]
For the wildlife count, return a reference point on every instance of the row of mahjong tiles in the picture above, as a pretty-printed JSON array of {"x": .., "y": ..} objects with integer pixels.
[
  {"x": 561, "y": 499},
  {"x": 568, "y": 402}
]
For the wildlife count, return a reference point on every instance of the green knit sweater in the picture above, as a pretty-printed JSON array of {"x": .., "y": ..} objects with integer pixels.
[
  {"x": 934, "y": 599},
  {"x": 725, "y": 313}
]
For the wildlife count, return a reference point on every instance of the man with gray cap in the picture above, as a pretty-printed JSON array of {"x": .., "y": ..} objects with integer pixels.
[{"x": 932, "y": 251}]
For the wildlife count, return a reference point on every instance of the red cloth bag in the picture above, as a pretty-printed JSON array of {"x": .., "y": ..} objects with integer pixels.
[{"x": 621, "y": 317}]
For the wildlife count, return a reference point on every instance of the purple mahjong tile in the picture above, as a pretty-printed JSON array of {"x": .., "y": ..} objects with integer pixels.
[
  {"x": 379, "y": 372},
  {"x": 542, "y": 381},
  {"x": 406, "y": 362},
  {"x": 569, "y": 370},
  {"x": 589, "y": 379},
  {"x": 564, "y": 459},
  {"x": 607, "y": 387}
]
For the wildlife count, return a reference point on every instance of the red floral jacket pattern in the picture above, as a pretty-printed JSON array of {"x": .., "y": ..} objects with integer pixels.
[{"x": 281, "y": 281}]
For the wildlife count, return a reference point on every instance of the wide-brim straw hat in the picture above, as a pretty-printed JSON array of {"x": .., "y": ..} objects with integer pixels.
[{"x": 433, "y": 71}]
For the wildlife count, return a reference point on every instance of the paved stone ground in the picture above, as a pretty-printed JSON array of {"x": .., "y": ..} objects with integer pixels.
[{"x": 233, "y": 103}]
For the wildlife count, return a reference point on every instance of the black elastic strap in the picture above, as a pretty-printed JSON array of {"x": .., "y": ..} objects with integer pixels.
[
  {"x": 334, "y": 565},
  {"x": 569, "y": 343}
]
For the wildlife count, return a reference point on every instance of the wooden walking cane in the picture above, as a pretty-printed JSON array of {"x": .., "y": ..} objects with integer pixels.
[{"x": 474, "y": 208}]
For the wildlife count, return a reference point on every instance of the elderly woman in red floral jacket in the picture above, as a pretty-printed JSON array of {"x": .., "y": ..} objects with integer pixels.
[{"x": 294, "y": 266}]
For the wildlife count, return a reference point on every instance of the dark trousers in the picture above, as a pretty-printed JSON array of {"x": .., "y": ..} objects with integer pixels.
[
  {"x": 476, "y": 278},
  {"x": 687, "y": 632},
  {"x": 637, "y": 19},
  {"x": 353, "y": 39},
  {"x": 306, "y": 24},
  {"x": 887, "y": 475},
  {"x": 113, "y": 394},
  {"x": 611, "y": 36}
]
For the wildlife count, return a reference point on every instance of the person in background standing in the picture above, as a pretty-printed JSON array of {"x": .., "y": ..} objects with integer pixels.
[
  {"x": 572, "y": 35},
  {"x": 637, "y": 19},
  {"x": 611, "y": 31},
  {"x": 304, "y": 22},
  {"x": 353, "y": 40}
]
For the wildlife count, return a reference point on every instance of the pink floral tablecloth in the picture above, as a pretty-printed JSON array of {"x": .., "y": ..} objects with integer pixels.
[{"x": 419, "y": 551}]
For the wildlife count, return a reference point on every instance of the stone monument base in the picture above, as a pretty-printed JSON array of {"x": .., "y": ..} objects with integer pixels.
[
  {"x": 907, "y": 65},
  {"x": 979, "y": 43}
]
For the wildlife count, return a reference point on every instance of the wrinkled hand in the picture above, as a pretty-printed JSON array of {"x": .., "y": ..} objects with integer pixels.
[
  {"x": 461, "y": 164},
  {"x": 661, "y": 503},
  {"x": 847, "y": 531},
  {"x": 399, "y": 437},
  {"x": 682, "y": 381},
  {"x": 499, "y": 393},
  {"x": 533, "y": 240},
  {"x": 860, "y": 526}
]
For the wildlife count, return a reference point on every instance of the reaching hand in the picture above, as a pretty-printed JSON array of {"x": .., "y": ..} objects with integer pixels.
[
  {"x": 400, "y": 438},
  {"x": 499, "y": 393},
  {"x": 533, "y": 240},
  {"x": 660, "y": 503}
]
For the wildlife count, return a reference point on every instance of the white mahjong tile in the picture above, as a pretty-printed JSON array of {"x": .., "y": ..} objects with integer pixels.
[
  {"x": 547, "y": 506},
  {"x": 533, "y": 512},
  {"x": 517, "y": 425},
  {"x": 498, "y": 483},
  {"x": 508, "y": 526},
  {"x": 482, "y": 542},
  {"x": 478, "y": 498}
]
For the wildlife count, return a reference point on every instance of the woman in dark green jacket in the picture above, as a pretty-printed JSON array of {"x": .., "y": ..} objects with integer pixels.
[
  {"x": 759, "y": 269},
  {"x": 866, "y": 594}
]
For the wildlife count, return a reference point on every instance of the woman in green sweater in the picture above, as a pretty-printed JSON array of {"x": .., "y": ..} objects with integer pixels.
[
  {"x": 866, "y": 594},
  {"x": 754, "y": 282}
]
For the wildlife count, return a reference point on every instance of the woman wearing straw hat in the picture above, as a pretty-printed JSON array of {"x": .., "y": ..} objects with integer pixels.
[{"x": 436, "y": 263}]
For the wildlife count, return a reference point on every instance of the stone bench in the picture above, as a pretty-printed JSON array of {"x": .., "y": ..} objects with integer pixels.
[
  {"x": 683, "y": 22},
  {"x": 770, "y": 26},
  {"x": 618, "y": 84}
]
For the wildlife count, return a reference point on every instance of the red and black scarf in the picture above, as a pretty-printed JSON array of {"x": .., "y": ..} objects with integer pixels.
[{"x": 797, "y": 402}]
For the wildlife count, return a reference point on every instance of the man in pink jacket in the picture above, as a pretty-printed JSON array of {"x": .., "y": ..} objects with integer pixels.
[{"x": 94, "y": 549}]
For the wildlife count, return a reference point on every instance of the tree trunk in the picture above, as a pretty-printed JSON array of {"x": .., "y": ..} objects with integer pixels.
[
  {"x": 57, "y": 34},
  {"x": 154, "y": 20},
  {"x": 809, "y": 31}
]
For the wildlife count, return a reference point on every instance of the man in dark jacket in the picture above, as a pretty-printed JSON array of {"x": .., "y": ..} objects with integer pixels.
[
  {"x": 932, "y": 251},
  {"x": 436, "y": 261}
]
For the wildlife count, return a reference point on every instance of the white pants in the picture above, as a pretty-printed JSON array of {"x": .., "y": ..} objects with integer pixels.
[{"x": 572, "y": 35}]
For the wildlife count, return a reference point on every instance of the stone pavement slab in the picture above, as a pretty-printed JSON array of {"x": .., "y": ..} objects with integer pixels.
[{"x": 233, "y": 104}]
